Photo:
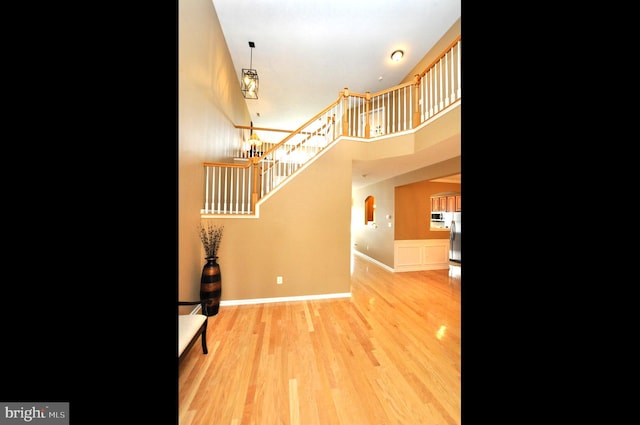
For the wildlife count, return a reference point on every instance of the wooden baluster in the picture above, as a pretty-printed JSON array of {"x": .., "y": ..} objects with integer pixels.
[{"x": 367, "y": 121}]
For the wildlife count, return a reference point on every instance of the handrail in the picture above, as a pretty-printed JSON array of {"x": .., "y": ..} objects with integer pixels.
[
  {"x": 294, "y": 147},
  {"x": 382, "y": 92},
  {"x": 299, "y": 129},
  {"x": 232, "y": 188},
  {"x": 457, "y": 41}
]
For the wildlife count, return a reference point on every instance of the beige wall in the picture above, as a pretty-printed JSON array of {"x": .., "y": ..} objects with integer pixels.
[
  {"x": 305, "y": 230},
  {"x": 302, "y": 234},
  {"x": 209, "y": 105},
  {"x": 374, "y": 240}
]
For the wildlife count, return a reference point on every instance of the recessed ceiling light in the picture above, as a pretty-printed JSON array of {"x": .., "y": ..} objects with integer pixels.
[{"x": 397, "y": 55}]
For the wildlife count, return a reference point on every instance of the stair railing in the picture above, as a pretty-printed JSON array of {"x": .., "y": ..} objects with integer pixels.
[{"x": 236, "y": 188}]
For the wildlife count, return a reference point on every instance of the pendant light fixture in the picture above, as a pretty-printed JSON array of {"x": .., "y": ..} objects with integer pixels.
[{"x": 249, "y": 79}]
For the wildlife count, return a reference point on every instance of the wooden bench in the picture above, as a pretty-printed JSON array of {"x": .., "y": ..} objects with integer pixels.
[{"x": 190, "y": 328}]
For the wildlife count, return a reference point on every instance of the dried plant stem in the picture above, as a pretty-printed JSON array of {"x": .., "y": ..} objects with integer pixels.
[{"x": 211, "y": 237}]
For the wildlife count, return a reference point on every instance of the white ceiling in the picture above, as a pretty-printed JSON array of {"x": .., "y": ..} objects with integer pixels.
[{"x": 306, "y": 52}]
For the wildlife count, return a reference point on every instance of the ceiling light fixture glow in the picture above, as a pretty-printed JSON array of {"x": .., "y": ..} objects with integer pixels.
[{"x": 397, "y": 55}]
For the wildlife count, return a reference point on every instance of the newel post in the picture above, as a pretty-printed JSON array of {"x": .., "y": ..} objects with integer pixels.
[
  {"x": 254, "y": 192},
  {"x": 345, "y": 112},
  {"x": 416, "y": 101}
]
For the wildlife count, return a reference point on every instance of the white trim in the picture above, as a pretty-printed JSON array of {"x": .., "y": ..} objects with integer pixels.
[
  {"x": 284, "y": 299},
  {"x": 420, "y": 254},
  {"x": 366, "y": 257}
]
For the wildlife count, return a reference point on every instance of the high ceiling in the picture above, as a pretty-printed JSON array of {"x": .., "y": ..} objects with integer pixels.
[{"x": 306, "y": 52}]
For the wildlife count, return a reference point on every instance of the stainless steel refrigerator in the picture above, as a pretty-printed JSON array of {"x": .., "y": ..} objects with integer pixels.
[{"x": 453, "y": 221}]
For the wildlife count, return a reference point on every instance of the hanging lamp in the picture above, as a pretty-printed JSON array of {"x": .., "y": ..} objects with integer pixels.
[{"x": 249, "y": 79}]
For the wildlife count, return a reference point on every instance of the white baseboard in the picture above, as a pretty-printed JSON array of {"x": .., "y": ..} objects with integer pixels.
[
  {"x": 284, "y": 299},
  {"x": 366, "y": 257}
]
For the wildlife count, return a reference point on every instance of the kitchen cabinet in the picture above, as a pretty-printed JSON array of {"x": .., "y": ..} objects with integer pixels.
[
  {"x": 435, "y": 205},
  {"x": 451, "y": 203},
  {"x": 448, "y": 203},
  {"x": 442, "y": 203}
]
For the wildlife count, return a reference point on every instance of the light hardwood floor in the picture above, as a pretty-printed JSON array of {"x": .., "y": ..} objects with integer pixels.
[{"x": 390, "y": 354}]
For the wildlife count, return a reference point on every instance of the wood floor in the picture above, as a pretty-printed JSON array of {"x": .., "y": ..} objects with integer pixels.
[{"x": 390, "y": 354}]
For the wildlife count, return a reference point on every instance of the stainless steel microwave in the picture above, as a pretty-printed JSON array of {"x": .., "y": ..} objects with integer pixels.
[{"x": 437, "y": 216}]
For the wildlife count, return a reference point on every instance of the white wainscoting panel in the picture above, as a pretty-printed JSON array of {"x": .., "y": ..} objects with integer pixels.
[{"x": 421, "y": 254}]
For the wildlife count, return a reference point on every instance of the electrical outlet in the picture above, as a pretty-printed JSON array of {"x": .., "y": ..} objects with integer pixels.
[{"x": 279, "y": 280}]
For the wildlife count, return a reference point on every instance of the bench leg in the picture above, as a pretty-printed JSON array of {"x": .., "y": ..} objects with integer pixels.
[{"x": 203, "y": 336}]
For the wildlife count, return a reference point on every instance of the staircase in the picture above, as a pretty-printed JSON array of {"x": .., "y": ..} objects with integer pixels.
[{"x": 236, "y": 188}]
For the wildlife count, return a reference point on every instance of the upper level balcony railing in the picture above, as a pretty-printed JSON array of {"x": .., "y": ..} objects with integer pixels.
[{"x": 236, "y": 188}]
